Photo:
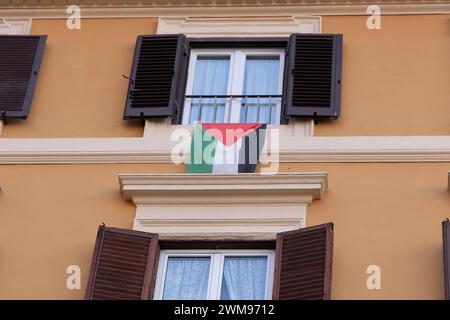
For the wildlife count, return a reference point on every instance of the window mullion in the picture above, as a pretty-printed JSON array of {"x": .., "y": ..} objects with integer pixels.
[
  {"x": 238, "y": 81},
  {"x": 215, "y": 274}
]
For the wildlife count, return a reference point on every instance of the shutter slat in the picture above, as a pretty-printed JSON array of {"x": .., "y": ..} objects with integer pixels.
[
  {"x": 157, "y": 67},
  {"x": 314, "y": 76},
  {"x": 20, "y": 59},
  {"x": 123, "y": 265},
  {"x": 303, "y": 263}
]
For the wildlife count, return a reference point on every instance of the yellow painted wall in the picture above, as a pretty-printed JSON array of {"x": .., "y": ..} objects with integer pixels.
[
  {"x": 385, "y": 214},
  {"x": 396, "y": 81},
  {"x": 49, "y": 215},
  {"x": 80, "y": 91}
]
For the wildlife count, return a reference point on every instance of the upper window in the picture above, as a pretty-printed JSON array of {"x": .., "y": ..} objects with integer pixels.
[
  {"x": 235, "y": 79},
  {"x": 215, "y": 275},
  {"x": 234, "y": 86}
]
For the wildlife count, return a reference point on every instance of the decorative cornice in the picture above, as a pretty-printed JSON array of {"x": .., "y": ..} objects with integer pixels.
[
  {"x": 265, "y": 26},
  {"x": 153, "y": 8},
  {"x": 205, "y": 206},
  {"x": 293, "y": 149},
  {"x": 207, "y": 188}
]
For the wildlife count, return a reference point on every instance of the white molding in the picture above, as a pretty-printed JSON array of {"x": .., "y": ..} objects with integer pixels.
[
  {"x": 202, "y": 9},
  {"x": 293, "y": 148},
  {"x": 270, "y": 26},
  {"x": 198, "y": 205},
  {"x": 15, "y": 26}
]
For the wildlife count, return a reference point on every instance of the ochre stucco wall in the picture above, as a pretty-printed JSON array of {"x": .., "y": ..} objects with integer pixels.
[
  {"x": 385, "y": 214},
  {"x": 396, "y": 81},
  {"x": 49, "y": 215},
  {"x": 80, "y": 91}
]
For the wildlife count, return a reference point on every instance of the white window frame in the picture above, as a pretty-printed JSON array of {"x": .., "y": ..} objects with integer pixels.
[
  {"x": 216, "y": 268},
  {"x": 235, "y": 78}
]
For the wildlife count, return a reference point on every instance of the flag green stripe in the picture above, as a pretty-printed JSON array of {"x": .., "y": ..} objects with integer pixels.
[{"x": 203, "y": 148}]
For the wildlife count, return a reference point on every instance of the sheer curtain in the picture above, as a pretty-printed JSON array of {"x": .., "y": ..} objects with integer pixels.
[
  {"x": 244, "y": 278},
  {"x": 211, "y": 78},
  {"x": 186, "y": 278},
  {"x": 261, "y": 78}
]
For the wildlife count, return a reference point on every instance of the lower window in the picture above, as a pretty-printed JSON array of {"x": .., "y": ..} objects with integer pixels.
[{"x": 215, "y": 275}]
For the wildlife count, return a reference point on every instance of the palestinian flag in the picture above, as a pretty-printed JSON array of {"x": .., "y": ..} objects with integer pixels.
[{"x": 226, "y": 147}]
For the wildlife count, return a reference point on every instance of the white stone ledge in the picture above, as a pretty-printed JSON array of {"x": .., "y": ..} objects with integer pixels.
[
  {"x": 221, "y": 206},
  {"x": 293, "y": 148}
]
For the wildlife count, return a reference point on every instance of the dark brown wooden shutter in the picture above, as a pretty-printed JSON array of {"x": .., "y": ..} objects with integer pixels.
[
  {"x": 446, "y": 245},
  {"x": 20, "y": 60},
  {"x": 313, "y": 76},
  {"x": 303, "y": 263},
  {"x": 157, "y": 77},
  {"x": 123, "y": 265}
]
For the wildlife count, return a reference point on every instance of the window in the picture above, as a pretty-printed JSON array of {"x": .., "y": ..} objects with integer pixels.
[
  {"x": 234, "y": 86},
  {"x": 215, "y": 275},
  {"x": 235, "y": 79},
  {"x": 125, "y": 266}
]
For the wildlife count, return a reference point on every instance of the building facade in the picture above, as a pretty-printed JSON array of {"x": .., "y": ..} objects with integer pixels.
[{"x": 361, "y": 179}]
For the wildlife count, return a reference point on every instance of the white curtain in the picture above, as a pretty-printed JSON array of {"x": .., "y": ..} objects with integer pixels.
[
  {"x": 261, "y": 78},
  {"x": 211, "y": 78},
  {"x": 244, "y": 278},
  {"x": 186, "y": 278}
]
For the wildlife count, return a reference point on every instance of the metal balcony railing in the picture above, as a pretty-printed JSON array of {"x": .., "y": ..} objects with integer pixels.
[{"x": 253, "y": 108}]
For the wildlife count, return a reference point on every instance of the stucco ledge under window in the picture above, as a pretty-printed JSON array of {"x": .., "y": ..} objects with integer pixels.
[{"x": 207, "y": 206}]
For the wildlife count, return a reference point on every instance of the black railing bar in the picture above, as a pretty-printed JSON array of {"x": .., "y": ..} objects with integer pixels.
[
  {"x": 258, "y": 108},
  {"x": 206, "y": 104},
  {"x": 232, "y": 96},
  {"x": 215, "y": 109},
  {"x": 253, "y": 104},
  {"x": 270, "y": 110},
  {"x": 200, "y": 111}
]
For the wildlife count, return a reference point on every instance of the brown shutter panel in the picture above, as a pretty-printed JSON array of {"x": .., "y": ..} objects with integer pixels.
[
  {"x": 123, "y": 265},
  {"x": 303, "y": 263},
  {"x": 157, "y": 77},
  {"x": 446, "y": 245},
  {"x": 20, "y": 60},
  {"x": 313, "y": 76}
]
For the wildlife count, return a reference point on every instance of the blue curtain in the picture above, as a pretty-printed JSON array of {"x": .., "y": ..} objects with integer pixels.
[
  {"x": 244, "y": 278},
  {"x": 186, "y": 278},
  {"x": 211, "y": 78},
  {"x": 261, "y": 78}
]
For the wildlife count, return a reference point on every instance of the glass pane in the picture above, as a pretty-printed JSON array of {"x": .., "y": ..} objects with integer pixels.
[
  {"x": 186, "y": 278},
  {"x": 261, "y": 78},
  {"x": 244, "y": 278},
  {"x": 211, "y": 78}
]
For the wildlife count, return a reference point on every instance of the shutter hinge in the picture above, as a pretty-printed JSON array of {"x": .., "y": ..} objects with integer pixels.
[
  {"x": 4, "y": 118},
  {"x": 142, "y": 119},
  {"x": 315, "y": 118}
]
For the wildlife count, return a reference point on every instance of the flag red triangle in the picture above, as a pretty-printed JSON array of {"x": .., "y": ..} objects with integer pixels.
[{"x": 229, "y": 133}]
